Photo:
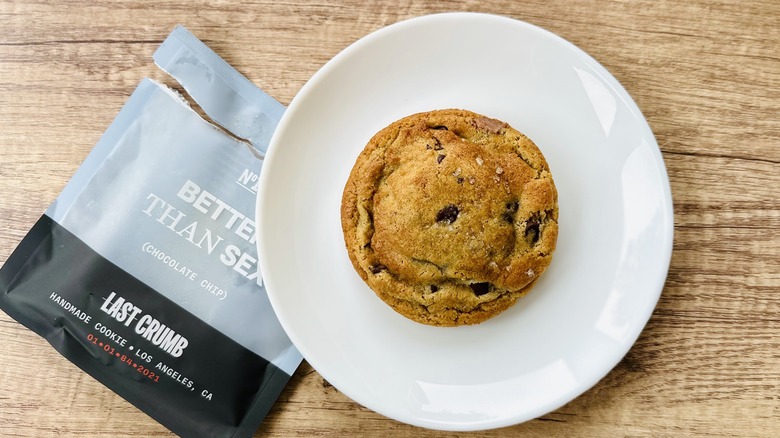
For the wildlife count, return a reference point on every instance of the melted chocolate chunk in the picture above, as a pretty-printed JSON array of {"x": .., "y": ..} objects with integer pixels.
[
  {"x": 532, "y": 231},
  {"x": 488, "y": 124},
  {"x": 378, "y": 268},
  {"x": 447, "y": 214},
  {"x": 480, "y": 288},
  {"x": 434, "y": 288},
  {"x": 440, "y": 158},
  {"x": 511, "y": 209}
]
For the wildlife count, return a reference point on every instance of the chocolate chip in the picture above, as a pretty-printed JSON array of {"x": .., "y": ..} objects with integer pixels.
[
  {"x": 532, "y": 231},
  {"x": 378, "y": 268},
  {"x": 440, "y": 128},
  {"x": 460, "y": 180},
  {"x": 491, "y": 125},
  {"x": 434, "y": 288},
  {"x": 447, "y": 214},
  {"x": 480, "y": 288},
  {"x": 439, "y": 158},
  {"x": 511, "y": 209}
]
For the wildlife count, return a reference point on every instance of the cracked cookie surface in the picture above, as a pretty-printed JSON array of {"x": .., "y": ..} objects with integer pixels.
[{"x": 450, "y": 216}]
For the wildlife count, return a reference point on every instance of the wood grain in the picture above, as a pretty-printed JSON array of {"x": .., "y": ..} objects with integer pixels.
[{"x": 705, "y": 74}]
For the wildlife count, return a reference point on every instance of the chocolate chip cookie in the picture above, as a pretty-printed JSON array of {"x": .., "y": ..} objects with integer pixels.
[{"x": 450, "y": 216}]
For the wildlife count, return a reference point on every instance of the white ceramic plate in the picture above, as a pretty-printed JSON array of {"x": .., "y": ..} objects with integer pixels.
[{"x": 587, "y": 309}]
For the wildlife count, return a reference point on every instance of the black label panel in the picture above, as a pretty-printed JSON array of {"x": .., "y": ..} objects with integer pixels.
[{"x": 178, "y": 369}]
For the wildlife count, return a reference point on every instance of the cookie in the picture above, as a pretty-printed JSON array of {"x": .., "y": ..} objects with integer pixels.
[{"x": 450, "y": 216}]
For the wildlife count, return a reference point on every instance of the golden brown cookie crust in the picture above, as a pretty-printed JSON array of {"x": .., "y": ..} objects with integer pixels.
[{"x": 450, "y": 216}]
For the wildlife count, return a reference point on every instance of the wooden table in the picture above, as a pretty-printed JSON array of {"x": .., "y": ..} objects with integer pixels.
[{"x": 705, "y": 74}]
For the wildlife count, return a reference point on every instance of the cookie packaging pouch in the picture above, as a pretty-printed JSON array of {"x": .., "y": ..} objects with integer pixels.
[{"x": 144, "y": 270}]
